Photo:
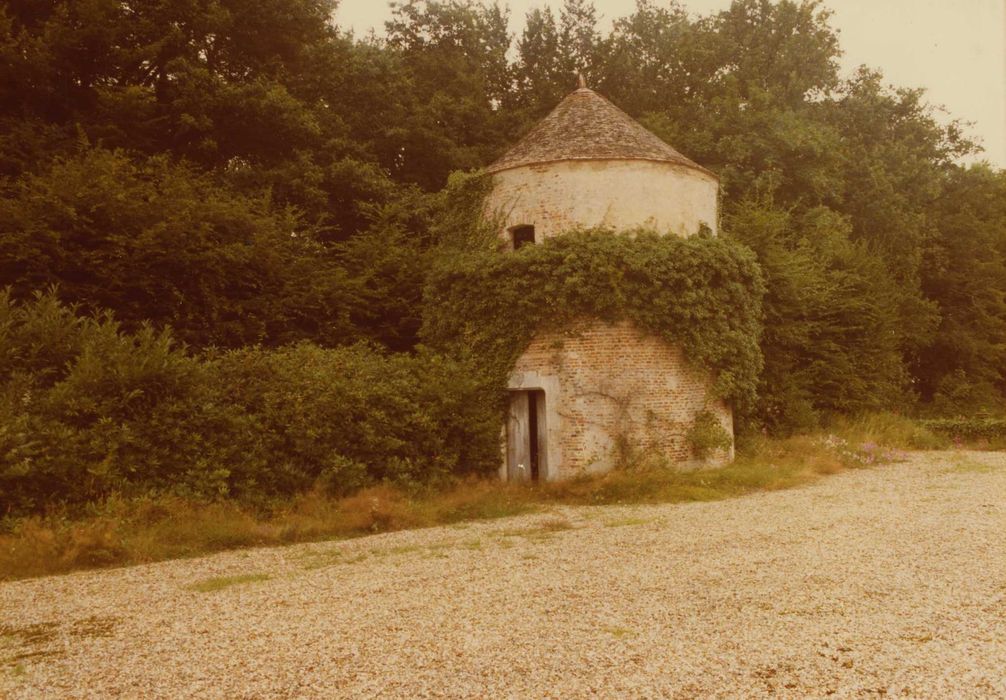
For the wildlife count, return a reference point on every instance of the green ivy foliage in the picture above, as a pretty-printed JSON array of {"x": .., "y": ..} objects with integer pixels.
[
  {"x": 707, "y": 435},
  {"x": 701, "y": 293}
]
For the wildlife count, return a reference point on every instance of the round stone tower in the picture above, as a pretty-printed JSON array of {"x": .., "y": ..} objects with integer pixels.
[{"x": 586, "y": 397}]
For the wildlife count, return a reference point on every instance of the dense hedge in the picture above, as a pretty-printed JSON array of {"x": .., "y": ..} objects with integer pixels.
[
  {"x": 352, "y": 416},
  {"x": 973, "y": 428},
  {"x": 702, "y": 293},
  {"x": 87, "y": 410}
]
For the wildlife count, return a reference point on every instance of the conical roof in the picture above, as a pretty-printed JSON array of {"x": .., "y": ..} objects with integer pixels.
[{"x": 587, "y": 126}]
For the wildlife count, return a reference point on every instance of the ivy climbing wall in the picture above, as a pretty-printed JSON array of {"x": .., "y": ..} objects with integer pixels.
[{"x": 612, "y": 388}]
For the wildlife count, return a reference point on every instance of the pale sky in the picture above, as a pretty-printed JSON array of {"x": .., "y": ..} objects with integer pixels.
[{"x": 956, "y": 49}]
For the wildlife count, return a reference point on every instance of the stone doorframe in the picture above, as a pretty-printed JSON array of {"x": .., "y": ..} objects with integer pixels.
[{"x": 532, "y": 381}]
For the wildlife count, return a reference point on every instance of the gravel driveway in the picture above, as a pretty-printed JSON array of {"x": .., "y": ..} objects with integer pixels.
[{"x": 889, "y": 581}]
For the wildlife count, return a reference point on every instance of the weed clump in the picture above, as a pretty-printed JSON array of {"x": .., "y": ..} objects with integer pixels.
[
  {"x": 218, "y": 583},
  {"x": 707, "y": 436}
]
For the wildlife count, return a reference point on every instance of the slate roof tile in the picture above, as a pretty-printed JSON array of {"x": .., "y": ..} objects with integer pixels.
[{"x": 587, "y": 126}]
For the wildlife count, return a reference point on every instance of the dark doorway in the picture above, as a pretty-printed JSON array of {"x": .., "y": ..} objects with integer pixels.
[
  {"x": 532, "y": 422},
  {"x": 526, "y": 436}
]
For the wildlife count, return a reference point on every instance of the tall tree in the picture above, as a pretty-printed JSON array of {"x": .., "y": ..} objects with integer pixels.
[
  {"x": 579, "y": 40},
  {"x": 847, "y": 189},
  {"x": 455, "y": 54},
  {"x": 163, "y": 243},
  {"x": 964, "y": 274},
  {"x": 539, "y": 79},
  {"x": 830, "y": 341},
  {"x": 267, "y": 91},
  {"x": 652, "y": 64}
]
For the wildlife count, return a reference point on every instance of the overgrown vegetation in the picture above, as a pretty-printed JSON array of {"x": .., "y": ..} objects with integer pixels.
[
  {"x": 168, "y": 244},
  {"x": 707, "y": 436},
  {"x": 87, "y": 410},
  {"x": 701, "y": 293},
  {"x": 982, "y": 431},
  {"x": 119, "y": 531},
  {"x": 250, "y": 173},
  {"x": 252, "y": 181}
]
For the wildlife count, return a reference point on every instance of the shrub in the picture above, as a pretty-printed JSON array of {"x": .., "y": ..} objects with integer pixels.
[
  {"x": 707, "y": 435},
  {"x": 102, "y": 411},
  {"x": 349, "y": 417},
  {"x": 833, "y": 340},
  {"x": 95, "y": 412},
  {"x": 958, "y": 394}
]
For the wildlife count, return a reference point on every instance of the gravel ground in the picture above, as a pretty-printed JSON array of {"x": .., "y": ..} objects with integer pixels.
[{"x": 889, "y": 581}]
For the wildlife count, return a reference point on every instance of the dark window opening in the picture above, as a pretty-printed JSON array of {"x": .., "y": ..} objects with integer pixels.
[{"x": 521, "y": 236}]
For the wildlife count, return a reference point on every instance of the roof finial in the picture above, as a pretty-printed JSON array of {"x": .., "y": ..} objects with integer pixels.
[{"x": 582, "y": 81}]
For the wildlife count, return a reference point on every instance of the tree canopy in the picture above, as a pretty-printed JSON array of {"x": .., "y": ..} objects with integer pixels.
[{"x": 248, "y": 172}]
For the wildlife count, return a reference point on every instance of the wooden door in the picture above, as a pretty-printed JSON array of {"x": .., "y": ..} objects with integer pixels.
[
  {"x": 526, "y": 436},
  {"x": 518, "y": 448}
]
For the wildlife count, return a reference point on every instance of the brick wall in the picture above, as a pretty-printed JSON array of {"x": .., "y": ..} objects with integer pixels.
[{"x": 604, "y": 382}]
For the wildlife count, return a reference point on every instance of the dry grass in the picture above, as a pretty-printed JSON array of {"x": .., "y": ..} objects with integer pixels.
[{"x": 121, "y": 532}]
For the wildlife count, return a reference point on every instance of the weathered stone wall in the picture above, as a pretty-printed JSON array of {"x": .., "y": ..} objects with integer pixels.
[
  {"x": 610, "y": 384},
  {"x": 604, "y": 383},
  {"x": 620, "y": 194}
]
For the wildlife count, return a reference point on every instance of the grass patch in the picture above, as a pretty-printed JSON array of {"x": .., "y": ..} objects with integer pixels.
[
  {"x": 124, "y": 531},
  {"x": 29, "y": 643},
  {"x": 321, "y": 560},
  {"x": 544, "y": 530},
  {"x": 94, "y": 627},
  {"x": 626, "y": 522},
  {"x": 218, "y": 583},
  {"x": 17, "y": 670},
  {"x": 555, "y": 525},
  {"x": 891, "y": 431},
  {"x": 406, "y": 549}
]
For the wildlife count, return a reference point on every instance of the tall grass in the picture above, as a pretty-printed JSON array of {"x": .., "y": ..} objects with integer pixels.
[
  {"x": 889, "y": 430},
  {"x": 120, "y": 531}
]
